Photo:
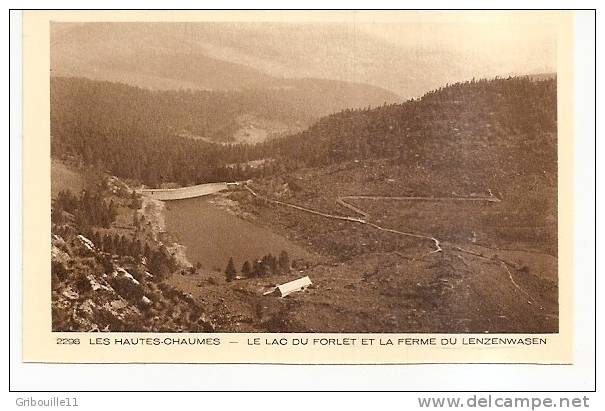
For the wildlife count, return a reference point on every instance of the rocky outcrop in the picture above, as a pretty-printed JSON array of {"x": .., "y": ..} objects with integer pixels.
[{"x": 95, "y": 291}]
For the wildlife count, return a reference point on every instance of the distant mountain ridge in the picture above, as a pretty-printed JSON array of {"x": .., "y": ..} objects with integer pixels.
[
  {"x": 174, "y": 56},
  {"x": 289, "y": 106},
  {"x": 505, "y": 125}
]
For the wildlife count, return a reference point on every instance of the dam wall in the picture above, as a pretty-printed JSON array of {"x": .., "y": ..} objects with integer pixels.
[{"x": 167, "y": 194}]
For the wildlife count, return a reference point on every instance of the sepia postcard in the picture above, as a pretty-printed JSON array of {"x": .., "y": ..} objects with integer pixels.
[{"x": 299, "y": 187}]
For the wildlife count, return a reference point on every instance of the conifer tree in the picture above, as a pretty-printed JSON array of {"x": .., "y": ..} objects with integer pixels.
[
  {"x": 284, "y": 262},
  {"x": 246, "y": 269},
  {"x": 230, "y": 270}
]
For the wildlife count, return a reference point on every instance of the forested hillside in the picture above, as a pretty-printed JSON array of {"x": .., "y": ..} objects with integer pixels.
[
  {"x": 453, "y": 113},
  {"x": 214, "y": 115},
  {"x": 479, "y": 129}
]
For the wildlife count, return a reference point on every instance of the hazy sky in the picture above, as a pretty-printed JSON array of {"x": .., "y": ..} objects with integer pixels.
[
  {"x": 408, "y": 53},
  {"x": 499, "y": 42}
]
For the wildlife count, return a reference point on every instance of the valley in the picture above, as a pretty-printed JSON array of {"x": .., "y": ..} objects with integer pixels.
[
  {"x": 431, "y": 216},
  {"x": 476, "y": 287},
  {"x": 520, "y": 284}
]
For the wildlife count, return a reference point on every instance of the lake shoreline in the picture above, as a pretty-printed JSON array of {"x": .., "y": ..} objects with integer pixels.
[
  {"x": 213, "y": 229},
  {"x": 154, "y": 212}
]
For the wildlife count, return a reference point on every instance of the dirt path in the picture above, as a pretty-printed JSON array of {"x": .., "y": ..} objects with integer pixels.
[
  {"x": 491, "y": 198},
  {"x": 306, "y": 210},
  {"x": 366, "y": 216}
]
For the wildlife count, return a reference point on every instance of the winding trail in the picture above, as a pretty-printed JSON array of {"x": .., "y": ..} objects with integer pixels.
[
  {"x": 306, "y": 210},
  {"x": 366, "y": 216}
]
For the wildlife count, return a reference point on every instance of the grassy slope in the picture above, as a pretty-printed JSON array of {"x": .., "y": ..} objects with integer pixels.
[
  {"x": 382, "y": 282},
  {"x": 64, "y": 177}
]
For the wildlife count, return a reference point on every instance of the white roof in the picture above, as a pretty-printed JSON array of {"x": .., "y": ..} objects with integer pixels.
[{"x": 292, "y": 286}]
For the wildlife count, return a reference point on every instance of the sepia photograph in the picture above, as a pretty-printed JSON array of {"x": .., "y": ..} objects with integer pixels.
[{"x": 338, "y": 176}]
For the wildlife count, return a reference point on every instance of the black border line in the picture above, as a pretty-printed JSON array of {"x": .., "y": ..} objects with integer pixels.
[{"x": 320, "y": 364}]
